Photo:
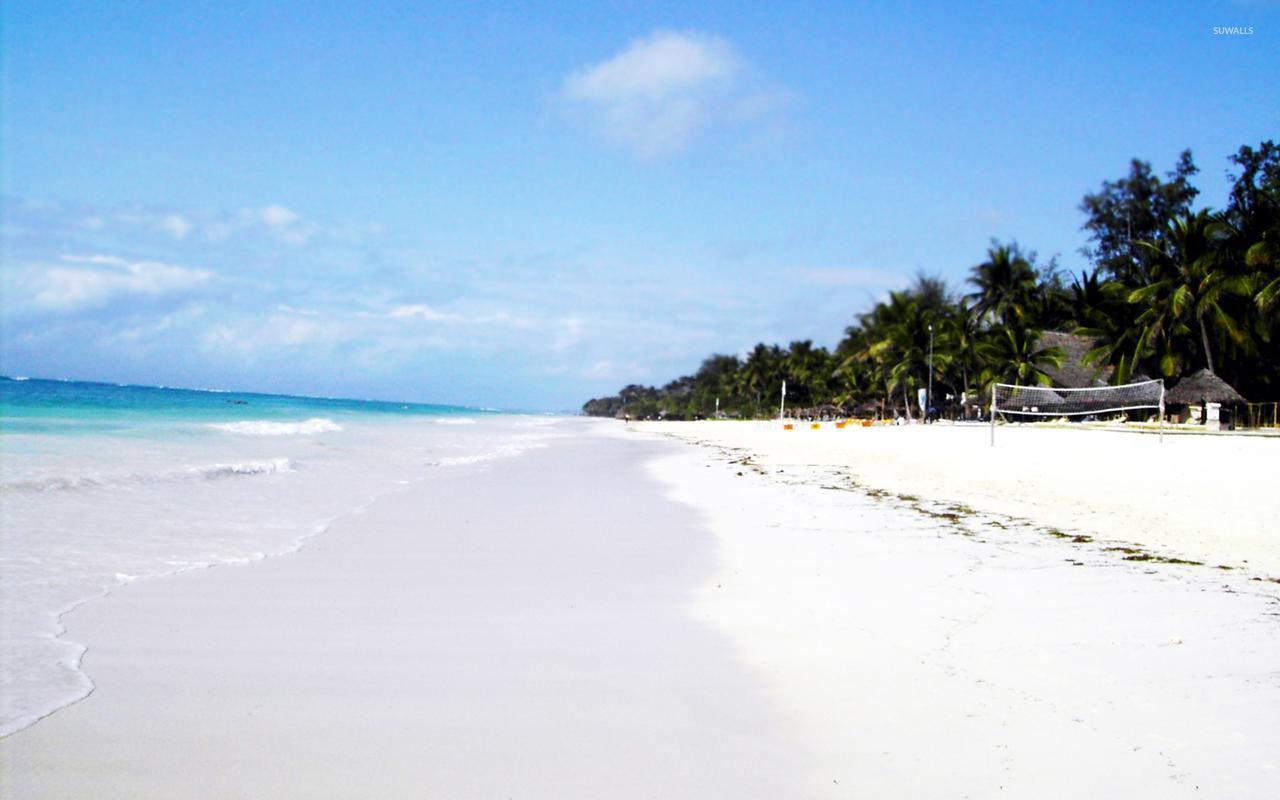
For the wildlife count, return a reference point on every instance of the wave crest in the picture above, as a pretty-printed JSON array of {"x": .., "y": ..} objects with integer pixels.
[
  {"x": 265, "y": 428},
  {"x": 207, "y": 473},
  {"x": 215, "y": 471}
]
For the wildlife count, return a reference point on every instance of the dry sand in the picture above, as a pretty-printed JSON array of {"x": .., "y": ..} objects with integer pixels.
[
  {"x": 921, "y": 650},
  {"x": 1211, "y": 498},
  {"x": 623, "y": 616}
]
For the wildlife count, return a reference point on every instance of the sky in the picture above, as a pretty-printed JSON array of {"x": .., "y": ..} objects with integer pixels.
[{"x": 527, "y": 205}]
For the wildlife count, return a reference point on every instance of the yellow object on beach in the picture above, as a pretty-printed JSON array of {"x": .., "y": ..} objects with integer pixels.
[{"x": 815, "y": 425}]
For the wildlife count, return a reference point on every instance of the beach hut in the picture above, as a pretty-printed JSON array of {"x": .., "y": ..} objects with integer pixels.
[
  {"x": 1207, "y": 390},
  {"x": 828, "y": 411},
  {"x": 1073, "y": 373}
]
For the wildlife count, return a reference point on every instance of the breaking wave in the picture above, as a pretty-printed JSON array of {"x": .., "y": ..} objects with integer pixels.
[
  {"x": 209, "y": 472},
  {"x": 264, "y": 428}
]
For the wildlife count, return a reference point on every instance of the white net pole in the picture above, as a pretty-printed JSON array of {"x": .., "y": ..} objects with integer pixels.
[
  {"x": 1160, "y": 436},
  {"x": 993, "y": 415}
]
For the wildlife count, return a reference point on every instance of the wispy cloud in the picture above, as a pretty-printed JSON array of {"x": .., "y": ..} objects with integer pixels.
[
  {"x": 276, "y": 221},
  {"x": 421, "y": 311},
  {"x": 657, "y": 95},
  {"x": 570, "y": 333},
  {"x": 96, "y": 280},
  {"x": 177, "y": 225}
]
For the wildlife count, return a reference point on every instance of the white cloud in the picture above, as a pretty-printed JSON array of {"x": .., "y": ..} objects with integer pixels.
[
  {"x": 278, "y": 216},
  {"x": 419, "y": 311},
  {"x": 306, "y": 312},
  {"x": 101, "y": 279},
  {"x": 660, "y": 92},
  {"x": 425, "y": 312},
  {"x": 286, "y": 224},
  {"x": 570, "y": 334},
  {"x": 177, "y": 225},
  {"x": 275, "y": 220}
]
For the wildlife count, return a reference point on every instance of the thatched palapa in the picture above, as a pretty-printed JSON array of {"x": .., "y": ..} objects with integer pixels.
[
  {"x": 1203, "y": 386},
  {"x": 1074, "y": 373}
]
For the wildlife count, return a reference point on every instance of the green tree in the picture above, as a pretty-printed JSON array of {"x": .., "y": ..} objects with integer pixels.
[
  {"x": 1014, "y": 355},
  {"x": 1138, "y": 207},
  {"x": 1102, "y": 312},
  {"x": 955, "y": 353},
  {"x": 808, "y": 373},
  {"x": 1006, "y": 285},
  {"x": 1188, "y": 287},
  {"x": 761, "y": 375}
]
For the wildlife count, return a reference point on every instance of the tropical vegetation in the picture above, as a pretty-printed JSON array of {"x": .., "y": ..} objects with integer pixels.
[{"x": 1172, "y": 289}]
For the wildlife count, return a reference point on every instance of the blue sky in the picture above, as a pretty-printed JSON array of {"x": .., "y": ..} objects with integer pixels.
[{"x": 528, "y": 206}]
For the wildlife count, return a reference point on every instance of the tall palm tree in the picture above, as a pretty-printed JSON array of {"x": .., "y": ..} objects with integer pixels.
[
  {"x": 761, "y": 373},
  {"x": 901, "y": 343},
  {"x": 1103, "y": 313},
  {"x": 956, "y": 354},
  {"x": 1188, "y": 289},
  {"x": 1006, "y": 285},
  {"x": 1264, "y": 257},
  {"x": 855, "y": 376},
  {"x": 1014, "y": 355},
  {"x": 808, "y": 371}
]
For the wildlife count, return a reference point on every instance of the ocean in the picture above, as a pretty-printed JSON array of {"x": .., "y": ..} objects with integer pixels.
[{"x": 102, "y": 485}]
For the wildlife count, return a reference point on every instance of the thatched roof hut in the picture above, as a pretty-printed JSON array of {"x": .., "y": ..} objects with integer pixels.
[
  {"x": 829, "y": 410},
  {"x": 1204, "y": 386},
  {"x": 1074, "y": 373}
]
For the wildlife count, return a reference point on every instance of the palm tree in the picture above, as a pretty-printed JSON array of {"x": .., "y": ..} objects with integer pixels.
[
  {"x": 716, "y": 380},
  {"x": 1006, "y": 285},
  {"x": 1189, "y": 286},
  {"x": 1265, "y": 258},
  {"x": 900, "y": 342},
  {"x": 854, "y": 374},
  {"x": 1014, "y": 355},
  {"x": 807, "y": 370},
  {"x": 761, "y": 373},
  {"x": 956, "y": 355},
  {"x": 1103, "y": 313}
]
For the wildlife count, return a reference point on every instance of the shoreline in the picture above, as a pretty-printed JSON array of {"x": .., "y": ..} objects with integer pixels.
[
  {"x": 622, "y": 615},
  {"x": 512, "y": 627}
]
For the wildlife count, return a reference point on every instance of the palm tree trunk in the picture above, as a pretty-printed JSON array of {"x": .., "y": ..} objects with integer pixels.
[
  {"x": 1204, "y": 340},
  {"x": 906, "y": 401}
]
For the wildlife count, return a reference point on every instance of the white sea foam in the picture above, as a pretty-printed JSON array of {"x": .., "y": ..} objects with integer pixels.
[
  {"x": 265, "y": 428},
  {"x": 85, "y": 514},
  {"x": 265, "y": 467},
  {"x": 61, "y": 483},
  {"x": 455, "y": 421},
  {"x": 503, "y": 451}
]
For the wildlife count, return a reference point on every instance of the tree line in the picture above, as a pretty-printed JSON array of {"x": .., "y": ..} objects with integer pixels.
[{"x": 1171, "y": 290}]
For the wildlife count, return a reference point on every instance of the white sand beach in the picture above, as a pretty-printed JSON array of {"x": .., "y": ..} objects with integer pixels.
[
  {"x": 621, "y": 615},
  {"x": 1210, "y": 498}
]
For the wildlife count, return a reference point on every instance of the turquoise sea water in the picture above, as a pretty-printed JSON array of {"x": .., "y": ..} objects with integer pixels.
[
  {"x": 102, "y": 485},
  {"x": 69, "y": 407}
]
